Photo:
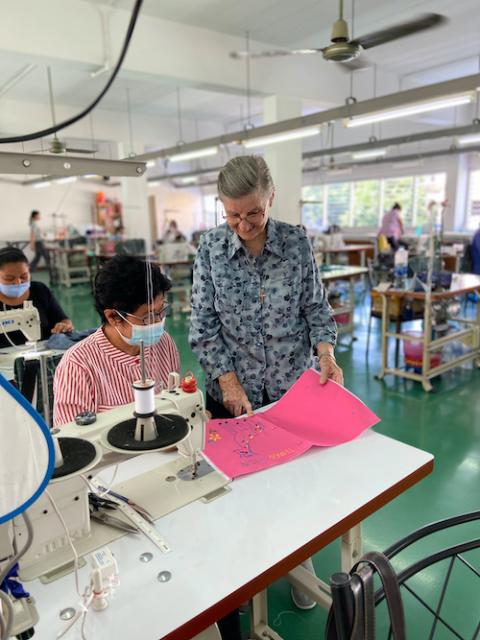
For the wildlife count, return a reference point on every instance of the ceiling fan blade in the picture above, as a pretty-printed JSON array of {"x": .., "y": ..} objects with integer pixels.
[
  {"x": 241, "y": 55},
  {"x": 389, "y": 34},
  {"x": 87, "y": 151}
]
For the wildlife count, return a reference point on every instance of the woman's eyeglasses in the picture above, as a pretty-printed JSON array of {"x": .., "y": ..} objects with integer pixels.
[
  {"x": 150, "y": 318},
  {"x": 253, "y": 217}
]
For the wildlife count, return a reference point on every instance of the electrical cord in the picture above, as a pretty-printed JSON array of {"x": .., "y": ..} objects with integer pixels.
[
  {"x": 66, "y": 123},
  {"x": 5, "y": 627},
  {"x": 4, "y": 632}
]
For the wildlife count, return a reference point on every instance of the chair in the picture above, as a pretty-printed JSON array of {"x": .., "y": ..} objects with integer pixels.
[{"x": 454, "y": 610}]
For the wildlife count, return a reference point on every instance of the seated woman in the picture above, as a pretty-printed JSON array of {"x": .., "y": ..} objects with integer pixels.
[
  {"x": 97, "y": 373},
  {"x": 16, "y": 287}
]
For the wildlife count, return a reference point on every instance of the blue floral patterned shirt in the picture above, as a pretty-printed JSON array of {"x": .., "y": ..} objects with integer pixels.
[{"x": 258, "y": 316}]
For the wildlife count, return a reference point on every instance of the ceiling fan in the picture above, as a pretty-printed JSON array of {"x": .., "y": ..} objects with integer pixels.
[
  {"x": 344, "y": 50},
  {"x": 56, "y": 145}
]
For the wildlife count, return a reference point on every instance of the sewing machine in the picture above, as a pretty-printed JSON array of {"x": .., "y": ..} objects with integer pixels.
[
  {"x": 26, "y": 320},
  {"x": 115, "y": 436}
]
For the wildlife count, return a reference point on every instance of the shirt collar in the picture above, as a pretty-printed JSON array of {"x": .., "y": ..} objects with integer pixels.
[{"x": 273, "y": 244}]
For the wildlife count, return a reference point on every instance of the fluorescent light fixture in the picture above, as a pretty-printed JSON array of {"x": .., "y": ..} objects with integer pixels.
[
  {"x": 281, "y": 137},
  {"x": 191, "y": 155},
  {"x": 408, "y": 110},
  {"x": 189, "y": 180},
  {"x": 150, "y": 164},
  {"x": 66, "y": 180},
  {"x": 41, "y": 185},
  {"x": 339, "y": 172},
  {"x": 90, "y": 175},
  {"x": 472, "y": 138},
  {"x": 369, "y": 153},
  {"x": 154, "y": 183}
]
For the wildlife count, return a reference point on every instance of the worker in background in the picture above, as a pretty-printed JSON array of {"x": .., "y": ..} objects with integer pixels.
[
  {"x": 392, "y": 226},
  {"x": 172, "y": 234},
  {"x": 476, "y": 252},
  {"x": 259, "y": 310},
  {"x": 16, "y": 287},
  {"x": 97, "y": 373},
  {"x": 36, "y": 241}
]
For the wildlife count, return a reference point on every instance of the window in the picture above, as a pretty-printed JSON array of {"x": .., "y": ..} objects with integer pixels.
[
  {"x": 362, "y": 203},
  {"x": 313, "y": 210},
  {"x": 366, "y": 198},
  {"x": 400, "y": 190},
  {"x": 428, "y": 189},
  {"x": 473, "y": 205},
  {"x": 209, "y": 213},
  {"x": 338, "y": 203}
]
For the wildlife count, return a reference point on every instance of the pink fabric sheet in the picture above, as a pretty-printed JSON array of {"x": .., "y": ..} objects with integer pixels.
[{"x": 309, "y": 414}]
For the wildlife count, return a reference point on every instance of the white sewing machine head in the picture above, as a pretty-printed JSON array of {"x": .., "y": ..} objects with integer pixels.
[
  {"x": 172, "y": 485},
  {"x": 26, "y": 320}
]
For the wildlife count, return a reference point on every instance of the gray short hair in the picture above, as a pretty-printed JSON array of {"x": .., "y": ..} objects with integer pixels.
[{"x": 244, "y": 175}]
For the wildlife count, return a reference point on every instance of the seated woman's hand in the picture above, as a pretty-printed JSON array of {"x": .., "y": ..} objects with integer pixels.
[
  {"x": 235, "y": 399},
  {"x": 64, "y": 326}
]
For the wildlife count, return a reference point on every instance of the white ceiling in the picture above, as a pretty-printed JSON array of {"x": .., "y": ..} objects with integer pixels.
[{"x": 443, "y": 53}]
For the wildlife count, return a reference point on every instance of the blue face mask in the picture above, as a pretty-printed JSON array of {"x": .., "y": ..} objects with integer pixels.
[
  {"x": 14, "y": 290},
  {"x": 150, "y": 334}
]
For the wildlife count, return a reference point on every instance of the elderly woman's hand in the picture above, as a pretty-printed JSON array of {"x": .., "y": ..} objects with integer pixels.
[
  {"x": 235, "y": 399},
  {"x": 329, "y": 369}
]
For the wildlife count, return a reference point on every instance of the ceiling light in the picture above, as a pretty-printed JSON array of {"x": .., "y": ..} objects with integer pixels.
[
  {"x": 66, "y": 180},
  {"x": 155, "y": 183},
  {"x": 408, "y": 110},
  {"x": 151, "y": 164},
  {"x": 191, "y": 155},
  {"x": 369, "y": 153},
  {"x": 40, "y": 185},
  {"x": 470, "y": 139},
  {"x": 189, "y": 180},
  {"x": 281, "y": 137},
  {"x": 90, "y": 175}
]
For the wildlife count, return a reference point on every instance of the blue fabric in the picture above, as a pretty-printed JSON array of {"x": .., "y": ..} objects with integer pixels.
[
  {"x": 12, "y": 586},
  {"x": 63, "y": 341},
  {"x": 476, "y": 253},
  {"x": 260, "y": 317}
]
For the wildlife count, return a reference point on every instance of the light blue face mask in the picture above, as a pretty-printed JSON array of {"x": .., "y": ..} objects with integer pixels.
[
  {"x": 14, "y": 290},
  {"x": 150, "y": 334}
]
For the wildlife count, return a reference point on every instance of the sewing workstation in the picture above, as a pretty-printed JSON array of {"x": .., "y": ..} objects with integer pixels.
[{"x": 239, "y": 320}]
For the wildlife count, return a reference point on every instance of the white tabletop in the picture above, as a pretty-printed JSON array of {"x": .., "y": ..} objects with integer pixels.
[
  {"x": 227, "y": 550},
  {"x": 8, "y": 355}
]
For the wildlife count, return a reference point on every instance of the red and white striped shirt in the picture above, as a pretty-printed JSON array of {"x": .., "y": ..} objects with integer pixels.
[{"x": 93, "y": 375}]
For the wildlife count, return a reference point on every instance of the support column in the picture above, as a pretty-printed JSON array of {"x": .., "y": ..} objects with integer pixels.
[
  {"x": 456, "y": 191},
  {"x": 285, "y": 161},
  {"x": 136, "y": 210},
  {"x": 136, "y": 214}
]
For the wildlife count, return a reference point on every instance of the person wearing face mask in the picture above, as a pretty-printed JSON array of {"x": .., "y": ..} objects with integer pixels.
[
  {"x": 259, "y": 310},
  {"x": 16, "y": 287},
  {"x": 97, "y": 374}
]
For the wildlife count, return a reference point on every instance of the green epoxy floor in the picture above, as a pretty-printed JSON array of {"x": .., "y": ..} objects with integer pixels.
[{"x": 446, "y": 423}]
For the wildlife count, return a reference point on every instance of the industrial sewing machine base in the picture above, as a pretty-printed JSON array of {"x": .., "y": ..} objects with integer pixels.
[
  {"x": 302, "y": 579},
  {"x": 153, "y": 491}
]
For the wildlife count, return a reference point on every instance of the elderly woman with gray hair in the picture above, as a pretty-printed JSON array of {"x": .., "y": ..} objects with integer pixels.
[{"x": 259, "y": 310}]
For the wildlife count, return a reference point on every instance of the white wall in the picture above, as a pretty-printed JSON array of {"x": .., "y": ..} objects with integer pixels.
[
  {"x": 75, "y": 200},
  {"x": 183, "y": 205}
]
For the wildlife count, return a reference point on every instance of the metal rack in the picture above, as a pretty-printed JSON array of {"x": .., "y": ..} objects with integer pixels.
[{"x": 462, "y": 284}]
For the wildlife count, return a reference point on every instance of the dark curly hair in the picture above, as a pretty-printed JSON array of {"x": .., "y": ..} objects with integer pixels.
[{"x": 122, "y": 285}]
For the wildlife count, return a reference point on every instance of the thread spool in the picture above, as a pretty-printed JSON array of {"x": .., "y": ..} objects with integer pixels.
[{"x": 144, "y": 393}]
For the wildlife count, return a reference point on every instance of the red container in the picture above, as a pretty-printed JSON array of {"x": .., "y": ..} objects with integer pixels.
[{"x": 413, "y": 352}]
